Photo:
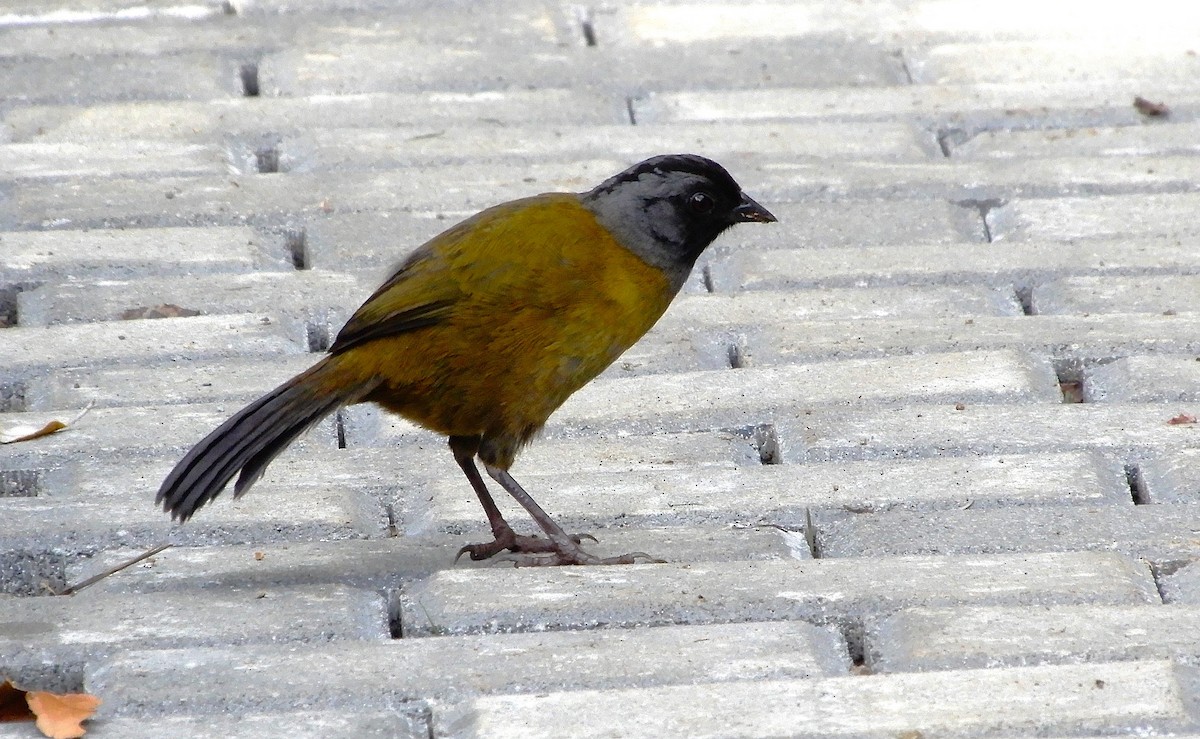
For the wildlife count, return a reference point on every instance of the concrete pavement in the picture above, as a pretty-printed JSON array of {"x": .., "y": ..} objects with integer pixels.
[{"x": 922, "y": 456}]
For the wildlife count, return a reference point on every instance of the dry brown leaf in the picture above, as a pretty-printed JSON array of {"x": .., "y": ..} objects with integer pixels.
[
  {"x": 58, "y": 716},
  {"x": 166, "y": 310},
  {"x": 1181, "y": 420},
  {"x": 28, "y": 433},
  {"x": 62, "y": 716},
  {"x": 1149, "y": 108},
  {"x": 13, "y": 706}
]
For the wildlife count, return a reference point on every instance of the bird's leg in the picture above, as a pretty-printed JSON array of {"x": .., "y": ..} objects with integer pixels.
[
  {"x": 564, "y": 547},
  {"x": 464, "y": 449}
]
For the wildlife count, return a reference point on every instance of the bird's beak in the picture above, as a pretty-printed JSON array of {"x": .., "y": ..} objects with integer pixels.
[{"x": 748, "y": 210}]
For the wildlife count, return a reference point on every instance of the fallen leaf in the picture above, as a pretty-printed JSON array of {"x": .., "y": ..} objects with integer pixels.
[
  {"x": 1150, "y": 109},
  {"x": 13, "y": 706},
  {"x": 27, "y": 433},
  {"x": 1181, "y": 420},
  {"x": 166, "y": 310},
  {"x": 58, "y": 716},
  {"x": 62, "y": 716}
]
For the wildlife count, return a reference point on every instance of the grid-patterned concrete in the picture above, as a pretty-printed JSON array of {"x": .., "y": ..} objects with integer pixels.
[{"x": 922, "y": 456}]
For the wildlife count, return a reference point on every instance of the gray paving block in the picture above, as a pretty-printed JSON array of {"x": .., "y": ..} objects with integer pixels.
[
  {"x": 67, "y": 79},
  {"x": 820, "y": 591},
  {"x": 751, "y": 308},
  {"x": 315, "y": 461},
  {"x": 1119, "y": 294},
  {"x": 998, "y": 264},
  {"x": 377, "y": 676},
  {"x": 1129, "y": 431},
  {"x": 48, "y": 640},
  {"x": 920, "y": 639},
  {"x": 665, "y": 450},
  {"x": 578, "y": 455},
  {"x": 116, "y": 515},
  {"x": 21, "y": 12},
  {"x": 86, "y": 502},
  {"x": 298, "y": 724},
  {"x": 979, "y": 180},
  {"x": 1151, "y": 137},
  {"x": 202, "y": 27},
  {"x": 1170, "y": 477},
  {"x": 164, "y": 383},
  {"x": 864, "y": 222},
  {"x": 188, "y": 120},
  {"x": 1070, "y": 337},
  {"x": 391, "y": 563},
  {"x": 1141, "y": 215},
  {"x": 671, "y": 23},
  {"x": 1052, "y": 60},
  {"x": 373, "y": 241},
  {"x": 741, "y": 397},
  {"x": 1101, "y": 698},
  {"x": 1141, "y": 379},
  {"x": 981, "y": 106},
  {"x": 782, "y": 495},
  {"x": 667, "y": 23},
  {"x": 313, "y": 295},
  {"x": 409, "y": 65},
  {"x": 1155, "y": 533},
  {"x": 32, "y": 350},
  {"x": 283, "y": 199},
  {"x": 62, "y": 161},
  {"x": 371, "y": 148},
  {"x": 31, "y": 256},
  {"x": 1181, "y": 586}
]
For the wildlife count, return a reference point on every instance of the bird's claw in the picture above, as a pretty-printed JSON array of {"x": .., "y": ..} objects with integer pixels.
[
  {"x": 575, "y": 556},
  {"x": 518, "y": 544}
]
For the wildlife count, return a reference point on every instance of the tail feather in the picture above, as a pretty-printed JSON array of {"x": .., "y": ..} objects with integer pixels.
[{"x": 254, "y": 436}]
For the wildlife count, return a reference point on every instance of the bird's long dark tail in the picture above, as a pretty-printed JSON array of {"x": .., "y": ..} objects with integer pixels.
[{"x": 249, "y": 440}]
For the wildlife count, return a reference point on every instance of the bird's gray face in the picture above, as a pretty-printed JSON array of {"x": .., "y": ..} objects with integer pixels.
[{"x": 668, "y": 209}]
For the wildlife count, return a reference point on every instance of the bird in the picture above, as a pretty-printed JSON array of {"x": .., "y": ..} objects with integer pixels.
[{"x": 481, "y": 333}]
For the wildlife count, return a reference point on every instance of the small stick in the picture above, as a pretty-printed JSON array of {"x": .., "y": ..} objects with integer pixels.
[{"x": 73, "y": 589}]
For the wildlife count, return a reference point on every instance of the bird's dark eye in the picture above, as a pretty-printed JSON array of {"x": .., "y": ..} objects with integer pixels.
[{"x": 701, "y": 202}]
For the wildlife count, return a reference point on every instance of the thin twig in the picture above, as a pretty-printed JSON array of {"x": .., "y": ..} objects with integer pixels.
[{"x": 73, "y": 589}]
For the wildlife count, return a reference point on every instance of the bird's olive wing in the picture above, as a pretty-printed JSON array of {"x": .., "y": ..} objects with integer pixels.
[
  {"x": 424, "y": 289},
  {"x": 417, "y": 295}
]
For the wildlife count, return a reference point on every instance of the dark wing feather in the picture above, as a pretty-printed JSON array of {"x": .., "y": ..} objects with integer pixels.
[{"x": 356, "y": 333}]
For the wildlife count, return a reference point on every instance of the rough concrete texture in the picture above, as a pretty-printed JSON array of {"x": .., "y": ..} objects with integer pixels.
[
  {"x": 454, "y": 668},
  {"x": 67, "y": 632},
  {"x": 1105, "y": 697},
  {"x": 939, "y": 421},
  {"x": 1169, "y": 378},
  {"x": 301, "y": 724},
  {"x": 839, "y": 591},
  {"x": 1153, "y": 533},
  {"x": 971, "y": 637},
  {"x": 1170, "y": 477},
  {"x": 1165, "y": 294}
]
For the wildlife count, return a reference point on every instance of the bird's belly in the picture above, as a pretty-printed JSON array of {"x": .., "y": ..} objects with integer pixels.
[{"x": 459, "y": 380}]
